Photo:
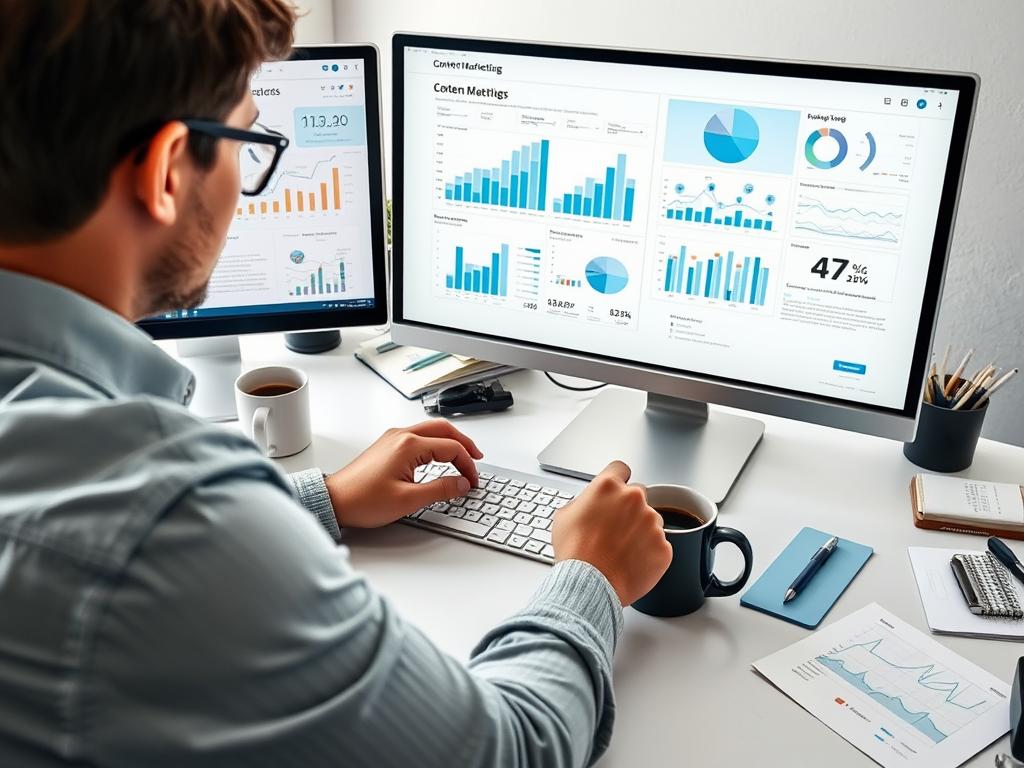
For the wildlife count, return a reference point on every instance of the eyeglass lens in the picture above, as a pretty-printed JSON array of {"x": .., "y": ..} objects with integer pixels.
[{"x": 255, "y": 163}]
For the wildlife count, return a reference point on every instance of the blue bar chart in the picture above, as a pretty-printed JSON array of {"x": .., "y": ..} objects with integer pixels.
[
  {"x": 490, "y": 279},
  {"x": 721, "y": 277},
  {"x": 318, "y": 284},
  {"x": 710, "y": 207},
  {"x": 609, "y": 196},
  {"x": 520, "y": 182}
]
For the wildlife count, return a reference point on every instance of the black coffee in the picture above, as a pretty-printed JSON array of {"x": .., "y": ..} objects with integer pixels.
[
  {"x": 272, "y": 390},
  {"x": 679, "y": 519}
]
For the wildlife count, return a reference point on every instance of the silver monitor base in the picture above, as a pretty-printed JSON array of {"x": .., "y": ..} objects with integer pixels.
[
  {"x": 662, "y": 439},
  {"x": 215, "y": 362}
]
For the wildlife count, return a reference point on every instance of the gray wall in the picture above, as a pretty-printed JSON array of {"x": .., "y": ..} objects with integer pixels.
[{"x": 983, "y": 304}]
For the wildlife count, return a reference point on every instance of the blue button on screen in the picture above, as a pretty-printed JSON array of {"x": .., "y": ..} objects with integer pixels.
[{"x": 840, "y": 365}]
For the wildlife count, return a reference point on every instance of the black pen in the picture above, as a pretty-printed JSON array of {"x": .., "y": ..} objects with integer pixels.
[
  {"x": 1005, "y": 556},
  {"x": 817, "y": 560}
]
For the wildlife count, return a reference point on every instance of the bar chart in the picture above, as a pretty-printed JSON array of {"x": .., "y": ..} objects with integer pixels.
[
  {"x": 728, "y": 205},
  {"x": 607, "y": 196},
  {"x": 721, "y": 276},
  {"x": 489, "y": 279},
  {"x": 295, "y": 195},
  {"x": 519, "y": 182},
  {"x": 325, "y": 279}
]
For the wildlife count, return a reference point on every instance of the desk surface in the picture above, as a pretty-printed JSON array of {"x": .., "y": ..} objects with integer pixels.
[{"x": 685, "y": 689}]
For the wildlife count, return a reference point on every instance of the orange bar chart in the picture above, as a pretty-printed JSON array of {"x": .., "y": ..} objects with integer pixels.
[{"x": 318, "y": 196}]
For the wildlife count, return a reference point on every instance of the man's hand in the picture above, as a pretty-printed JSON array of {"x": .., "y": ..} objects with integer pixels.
[
  {"x": 378, "y": 487},
  {"x": 611, "y": 526}
]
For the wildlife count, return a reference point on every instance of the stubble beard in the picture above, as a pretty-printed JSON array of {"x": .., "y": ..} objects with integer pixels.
[{"x": 181, "y": 277}]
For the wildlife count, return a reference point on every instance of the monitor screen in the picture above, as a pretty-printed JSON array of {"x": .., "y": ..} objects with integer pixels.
[
  {"x": 309, "y": 251},
  {"x": 768, "y": 235}
]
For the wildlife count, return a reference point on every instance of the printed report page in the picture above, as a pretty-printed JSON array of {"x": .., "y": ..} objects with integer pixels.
[{"x": 765, "y": 229}]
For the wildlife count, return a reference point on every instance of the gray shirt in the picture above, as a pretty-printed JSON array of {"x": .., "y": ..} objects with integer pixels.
[{"x": 165, "y": 600}]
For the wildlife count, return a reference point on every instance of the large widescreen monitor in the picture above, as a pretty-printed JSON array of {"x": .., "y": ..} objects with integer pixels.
[
  {"x": 309, "y": 252},
  {"x": 766, "y": 235}
]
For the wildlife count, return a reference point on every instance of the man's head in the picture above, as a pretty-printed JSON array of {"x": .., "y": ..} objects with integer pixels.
[{"x": 90, "y": 95}]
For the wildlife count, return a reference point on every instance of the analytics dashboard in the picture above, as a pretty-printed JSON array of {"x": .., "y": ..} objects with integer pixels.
[{"x": 759, "y": 228}]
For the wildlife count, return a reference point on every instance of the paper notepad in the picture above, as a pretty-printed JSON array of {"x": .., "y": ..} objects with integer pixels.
[
  {"x": 945, "y": 608},
  {"x": 809, "y": 607}
]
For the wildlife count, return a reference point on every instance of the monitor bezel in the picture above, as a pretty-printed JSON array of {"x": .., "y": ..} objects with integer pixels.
[
  {"x": 231, "y": 325},
  {"x": 896, "y": 423}
]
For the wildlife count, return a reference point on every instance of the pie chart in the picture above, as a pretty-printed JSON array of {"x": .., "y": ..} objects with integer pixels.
[
  {"x": 607, "y": 275},
  {"x": 731, "y": 136}
]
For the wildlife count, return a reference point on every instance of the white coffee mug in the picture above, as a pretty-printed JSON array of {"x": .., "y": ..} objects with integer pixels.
[{"x": 273, "y": 409}]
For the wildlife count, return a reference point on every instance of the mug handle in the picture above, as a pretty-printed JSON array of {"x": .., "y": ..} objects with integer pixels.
[
  {"x": 715, "y": 587},
  {"x": 259, "y": 431}
]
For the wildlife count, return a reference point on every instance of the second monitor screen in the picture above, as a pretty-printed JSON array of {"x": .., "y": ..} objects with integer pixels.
[{"x": 759, "y": 228}]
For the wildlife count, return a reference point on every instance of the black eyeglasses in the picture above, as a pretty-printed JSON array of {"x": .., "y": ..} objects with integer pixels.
[{"x": 258, "y": 155}]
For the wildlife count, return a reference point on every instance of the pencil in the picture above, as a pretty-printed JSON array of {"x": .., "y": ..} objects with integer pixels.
[
  {"x": 945, "y": 359},
  {"x": 994, "y": 387},
  {"x": 957, "y": 372}
]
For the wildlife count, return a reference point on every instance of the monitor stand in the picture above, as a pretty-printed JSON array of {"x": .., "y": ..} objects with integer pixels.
[
  {"x": 216, "y": 362},
  {"x": 663, "y": 440}
]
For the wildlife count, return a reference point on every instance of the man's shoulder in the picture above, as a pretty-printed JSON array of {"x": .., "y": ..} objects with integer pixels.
[{"x": 86, "y": 472}]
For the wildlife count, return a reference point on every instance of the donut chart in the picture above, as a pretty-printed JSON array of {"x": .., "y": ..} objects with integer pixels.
[{"x": 813, "y": 139}]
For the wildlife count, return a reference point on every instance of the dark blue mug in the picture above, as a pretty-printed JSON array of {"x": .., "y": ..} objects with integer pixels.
[{"x": 691, "y": 527}]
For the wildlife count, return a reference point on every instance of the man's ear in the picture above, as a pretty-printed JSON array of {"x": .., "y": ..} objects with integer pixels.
[{"x": 159, "y": 177}]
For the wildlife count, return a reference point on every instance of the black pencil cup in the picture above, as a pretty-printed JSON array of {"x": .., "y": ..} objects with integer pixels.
[{"x": 946, "y": 439}]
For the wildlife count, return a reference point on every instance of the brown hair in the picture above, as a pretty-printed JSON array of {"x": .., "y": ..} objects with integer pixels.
[{"x": 84, "y": 82}]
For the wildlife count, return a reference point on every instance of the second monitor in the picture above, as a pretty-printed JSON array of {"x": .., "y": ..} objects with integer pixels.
[{"x": 759, "y": 234}]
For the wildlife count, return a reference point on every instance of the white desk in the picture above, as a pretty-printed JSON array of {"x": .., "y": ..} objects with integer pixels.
[{"x": 685, "y": 690}]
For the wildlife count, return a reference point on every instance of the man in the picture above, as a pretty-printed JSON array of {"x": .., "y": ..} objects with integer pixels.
[{"x": 164, "y": 597}]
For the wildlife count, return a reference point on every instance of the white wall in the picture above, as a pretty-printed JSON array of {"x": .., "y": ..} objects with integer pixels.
[
  {"x": 316, "y": 24},
  {"x": 983, "y": 305}
]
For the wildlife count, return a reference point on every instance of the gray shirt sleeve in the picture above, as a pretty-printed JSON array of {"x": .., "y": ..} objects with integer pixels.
[
  {"x": 241, "y": 636},
  {"x": 311, "y": 491}
]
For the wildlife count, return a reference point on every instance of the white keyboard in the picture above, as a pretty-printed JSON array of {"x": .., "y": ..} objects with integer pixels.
[{"x": 511, "y": 511}]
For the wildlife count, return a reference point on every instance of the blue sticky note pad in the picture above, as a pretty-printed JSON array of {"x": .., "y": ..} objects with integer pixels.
[{"x": 809, "y": 607}]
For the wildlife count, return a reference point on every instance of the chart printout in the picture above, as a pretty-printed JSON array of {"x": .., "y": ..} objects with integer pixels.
[
  {"x": 893, "y": 692},
  {"x": 766, "y": 229}
]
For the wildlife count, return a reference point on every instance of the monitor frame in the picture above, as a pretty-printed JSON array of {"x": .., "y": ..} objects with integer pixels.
[
  {"x": 271, "y": 322},
  {"x": 894, "y": 423}
]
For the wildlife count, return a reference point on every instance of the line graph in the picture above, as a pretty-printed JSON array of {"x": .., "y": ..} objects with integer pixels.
[
  {"x": 852, "y": 215},
  {"x": 908, "y": 684}
]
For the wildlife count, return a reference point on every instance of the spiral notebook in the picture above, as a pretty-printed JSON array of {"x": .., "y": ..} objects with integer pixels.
[{"x": 947, "y": 610}]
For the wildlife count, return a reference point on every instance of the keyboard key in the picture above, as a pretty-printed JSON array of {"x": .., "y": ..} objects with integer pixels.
[
  {"x": 498, "y": 536},
  {"x": 540, "y": 522},
  {"x": 516, "y": 541},
  {"x": 457, "y": 502},
  {"x": 532, "y": 487},
  {"x": 489, "y": 520},
  {"x": 516, "y": 484},
  {"x": 526, "y": 495},
  {"x": 473, "y": 504},
  {"x": 440, "y": 506},
  {"x": 528, "y": 532},
  {"x": 476, "y": 493},
  {"x": 493, "y": 498},
  {"x": 510, "y": 503},
  {"x": 473, "y": 516},
  {"x": 523, "y": 518},
  {"x": 454, "y": 523},
  {"x": 501, "y": 479},
  {"x": 545, "y": 512},
  {"x": 494, "y": 487},
  {"x": 559, "y": 503},
  {"x": 548, "y": 551},
  {"x": 550, "y": 491},
  {"x": 544, "y": 536},
  {"x": 543, "y": 498},
  {"x": 566, "y": 496},
  {"x": 506, "y": 525},
  {"x": 534, "y": 546},
  {"x": 485, "y": 475},
  {"x": 527, "y": 507},
  {"x": 456, "y": 512},
  {"x": 490, "y": 509},
  {"x": 505, "y": 514}
]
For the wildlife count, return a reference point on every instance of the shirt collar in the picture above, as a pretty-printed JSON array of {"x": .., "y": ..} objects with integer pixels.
[{"x": 48, "y": 323}]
